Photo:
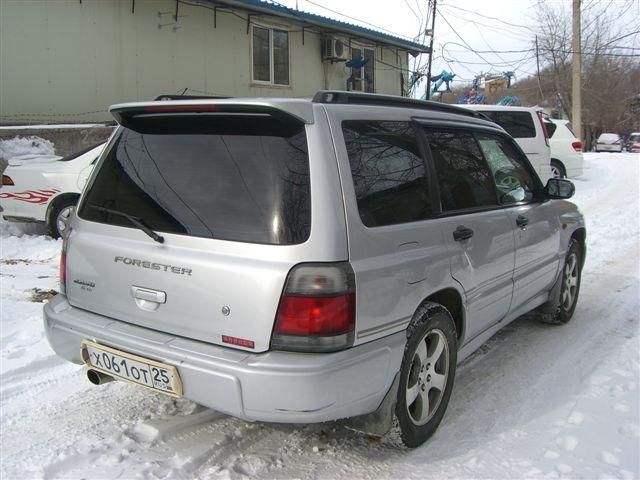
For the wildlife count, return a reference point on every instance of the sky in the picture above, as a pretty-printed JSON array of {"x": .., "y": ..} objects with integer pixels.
[{"x": 485, "y": 25}]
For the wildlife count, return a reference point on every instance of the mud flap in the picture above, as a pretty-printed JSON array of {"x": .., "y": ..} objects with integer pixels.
[
  {"x": 380, "y": 421},
  {"x": 550, "y": 307}
]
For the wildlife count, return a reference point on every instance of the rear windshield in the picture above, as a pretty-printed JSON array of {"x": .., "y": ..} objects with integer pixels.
[
  {"x": 240, "y": 178},
  {"x": 610, "y": 137},
  {"x": 517, "y": 124},
  {"x": 635, "y": 137}
]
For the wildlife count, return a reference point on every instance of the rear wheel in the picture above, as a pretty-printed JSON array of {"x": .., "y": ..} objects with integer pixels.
[
  {"x": 60, "y": 216},
  {"x": 427, "y": 374},
  {"x": 557, "y": 170}
]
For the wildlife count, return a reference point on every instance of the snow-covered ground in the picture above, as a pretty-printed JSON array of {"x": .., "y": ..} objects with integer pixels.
[{"x": 534, "y": 402}]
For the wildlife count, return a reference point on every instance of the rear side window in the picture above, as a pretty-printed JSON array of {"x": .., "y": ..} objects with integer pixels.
[
  {"x": 517, "y": 124},
  {"x": 242, "y": 178},
  {"x": 388, "y": 172},
  {"x": 551, "y": 128},
  {"x": 464, "y": 178}
]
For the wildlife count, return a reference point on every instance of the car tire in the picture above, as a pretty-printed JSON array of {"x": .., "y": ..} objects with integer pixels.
[
  {"x": 427, "y": 374},
  {"x": 570, "y": 286},
  {"x": 557, "y": 169},
  {"x": 59, "y": 217}
]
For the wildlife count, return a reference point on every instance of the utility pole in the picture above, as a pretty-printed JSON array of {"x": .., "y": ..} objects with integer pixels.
[
  {"x": 576, "y": 100},
  {"x": 433, "y": 26},
  {"x": 538, "y": 70}
]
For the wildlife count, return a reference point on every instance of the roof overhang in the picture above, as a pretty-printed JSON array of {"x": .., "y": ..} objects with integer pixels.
[{"x": 306, "y": 19}]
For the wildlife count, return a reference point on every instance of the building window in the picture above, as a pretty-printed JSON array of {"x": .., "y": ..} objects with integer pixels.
[
  {"x": 270, "y": 53},
  {"x": 362, "y": 78}
]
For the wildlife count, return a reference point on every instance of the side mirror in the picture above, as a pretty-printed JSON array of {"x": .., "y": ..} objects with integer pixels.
[{"x": 559, "y": 188}]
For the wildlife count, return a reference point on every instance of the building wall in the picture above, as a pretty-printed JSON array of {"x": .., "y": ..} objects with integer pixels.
[{"x": 67, "y": 61}]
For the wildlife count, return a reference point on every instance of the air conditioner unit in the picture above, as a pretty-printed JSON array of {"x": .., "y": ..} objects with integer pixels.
[{"x": 334, "y": 48}]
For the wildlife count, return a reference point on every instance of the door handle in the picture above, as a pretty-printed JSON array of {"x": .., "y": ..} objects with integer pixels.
[
  {"x": 522, "y": 221},
  {"x": 148, "y": 295},
  {"x": 462, "y": 233}
]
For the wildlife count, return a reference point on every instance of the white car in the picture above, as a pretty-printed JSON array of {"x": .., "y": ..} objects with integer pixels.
[
  {"x": 566, "y": 149},
  {"x": 46, "y": 192},
  {"x": 527, "y": 128},
  {"x": 609, "y": 142}
]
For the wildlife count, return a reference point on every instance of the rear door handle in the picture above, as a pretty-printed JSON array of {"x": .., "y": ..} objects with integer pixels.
[
  {"x": 522, "y": 221},
  {"x": 148, "y": 295},
  {"x": 462, "y": 233}
]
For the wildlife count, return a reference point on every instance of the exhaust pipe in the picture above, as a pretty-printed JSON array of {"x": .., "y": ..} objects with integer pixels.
[{"x": 98, "y": 378}]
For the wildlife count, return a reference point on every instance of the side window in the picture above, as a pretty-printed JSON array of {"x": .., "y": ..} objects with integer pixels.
[
  {"x": 388, "y": 172},
  {"x": 514, "y": 182},
  {"x": 517, "y": 124},
  {"x": 463, "y": 176}
]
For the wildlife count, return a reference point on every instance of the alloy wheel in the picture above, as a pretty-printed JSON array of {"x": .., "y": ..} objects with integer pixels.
[
  {"x": 428, "y": 377},
  {"x": 570, "y": 282}
]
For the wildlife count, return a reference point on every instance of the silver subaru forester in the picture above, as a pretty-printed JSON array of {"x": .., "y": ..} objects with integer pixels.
[{"x": 291, "y": 260}]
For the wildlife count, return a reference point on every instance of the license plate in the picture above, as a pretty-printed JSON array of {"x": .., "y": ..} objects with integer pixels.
[{"x": 132, "y": 368}]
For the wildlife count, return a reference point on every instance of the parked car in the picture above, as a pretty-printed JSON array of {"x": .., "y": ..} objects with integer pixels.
[
  {"x": 46, "y": 191},
  {"x": 526, "y": 126},
  {"x": 633, "y": 144},
  {"x": 609, "y": 142},
  {"x": 566, "y": 149},
  {"x": 299, "y": 261}
]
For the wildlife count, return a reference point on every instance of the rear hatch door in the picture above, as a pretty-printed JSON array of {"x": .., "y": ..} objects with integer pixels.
[{"x": 227, "y": 193}]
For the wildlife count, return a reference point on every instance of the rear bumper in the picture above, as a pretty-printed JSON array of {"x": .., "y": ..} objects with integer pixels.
[{"x": 272, "y": 386}]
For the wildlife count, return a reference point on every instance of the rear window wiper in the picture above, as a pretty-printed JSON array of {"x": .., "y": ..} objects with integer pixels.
[{"x": 138, "y": 222}]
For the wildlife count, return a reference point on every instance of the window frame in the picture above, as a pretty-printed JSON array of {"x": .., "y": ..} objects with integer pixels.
[
  {"x": 522, "y": 159},
  {"x": 271, "y": 81},
  {"x": 429, "y": 183},
  {"x": 423, "y": 123},
  {"x": 439, "y": 212},
  {"x": 361, "y": 77}
]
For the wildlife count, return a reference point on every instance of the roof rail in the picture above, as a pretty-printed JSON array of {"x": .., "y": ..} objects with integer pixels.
[
  {"x": 341, "y": 97},
  {"x": 174, "y": 96}
]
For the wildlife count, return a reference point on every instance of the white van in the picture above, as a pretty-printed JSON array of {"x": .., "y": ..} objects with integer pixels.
[{"x": 525, "y": 125}]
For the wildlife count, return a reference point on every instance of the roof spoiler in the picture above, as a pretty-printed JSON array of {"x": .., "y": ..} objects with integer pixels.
[{"x": 173, "y": 96}]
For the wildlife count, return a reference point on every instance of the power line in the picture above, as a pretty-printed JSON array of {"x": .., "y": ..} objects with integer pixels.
[
  {"x": 357, "y": 20},
  {"x": 490, "y": 18}
]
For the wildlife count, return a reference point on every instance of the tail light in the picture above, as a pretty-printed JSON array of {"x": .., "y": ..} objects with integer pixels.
[
  {"x": 600, "y": 143},
  {"x": 544, "y": 128},
  {"x": 617, "y": 142},
  {"x": 577, "y": 146},
  {"x": 6, "y": 180},
  {"x": 317, "y": 309}
]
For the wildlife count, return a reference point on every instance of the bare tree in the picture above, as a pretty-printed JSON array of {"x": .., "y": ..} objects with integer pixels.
[{"x": 610, "y": 63}]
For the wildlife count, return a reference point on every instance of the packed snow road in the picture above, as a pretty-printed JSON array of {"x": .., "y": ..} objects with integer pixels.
[{"x": 536, "y": 401}]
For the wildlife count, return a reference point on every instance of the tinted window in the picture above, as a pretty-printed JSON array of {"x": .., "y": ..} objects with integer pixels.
[
  {"x": 388, "y": 172},
  {"x": 517, "y": 124},
  {"x": 463, "y": 176},
  {"x": 551, "y": 128},
  {"x": 514, "y": 182},
  {"x": 243, "y": 178}
]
